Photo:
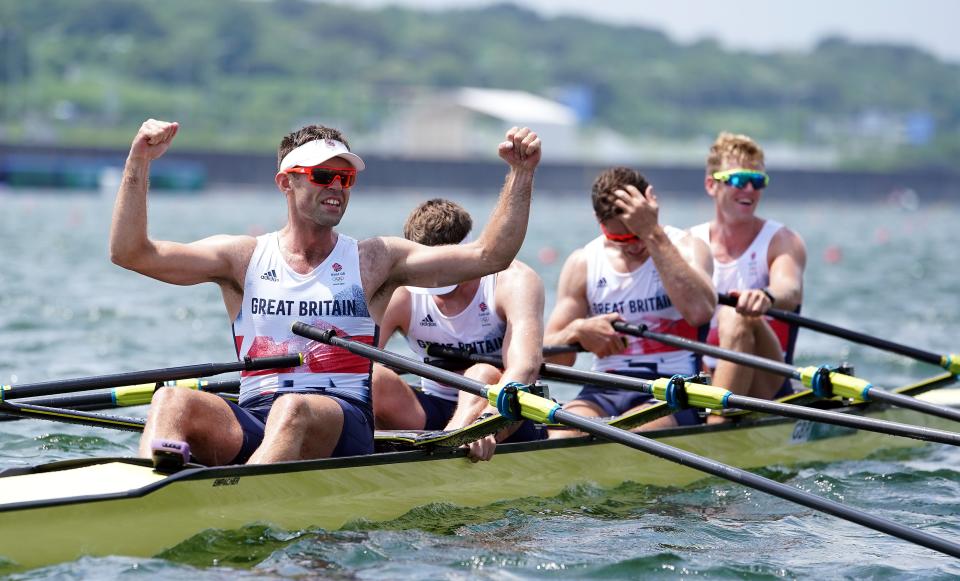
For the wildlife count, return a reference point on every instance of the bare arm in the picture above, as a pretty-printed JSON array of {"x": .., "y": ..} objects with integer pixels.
[
  {"x": 215, "y": 259},
  {"x": 520, "y": 297},
  {"x": 396, "y": 317},
  {"x": 570, "y": 322},
  {"x": 787, "y": 258},
  {"x": 391, "y": 262},
  {"x": 684, "y": 269}
]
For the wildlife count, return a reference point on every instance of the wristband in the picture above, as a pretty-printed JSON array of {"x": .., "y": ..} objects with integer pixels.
[{"x": 769, "y": 294}]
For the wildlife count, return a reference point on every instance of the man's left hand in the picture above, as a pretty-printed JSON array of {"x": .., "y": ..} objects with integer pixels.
[{"x": 521, "y": 149}]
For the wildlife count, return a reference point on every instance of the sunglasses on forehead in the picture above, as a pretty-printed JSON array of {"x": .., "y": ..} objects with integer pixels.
[
  {"x": 739, "y": 178},
  {"x": 323, "y": 175}
]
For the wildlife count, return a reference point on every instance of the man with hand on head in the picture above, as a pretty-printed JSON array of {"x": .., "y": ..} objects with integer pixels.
[
  {"x": 500, "y": 312},
  {"x": 306, "y": 271},
  {"x": 759, "y": 261},
  {"x": 640, "y": 272}
]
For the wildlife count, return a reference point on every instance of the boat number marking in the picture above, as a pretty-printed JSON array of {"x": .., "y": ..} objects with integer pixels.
[
  {"x": 232, "y": 481},
  {"x": 807, "y": 431}
]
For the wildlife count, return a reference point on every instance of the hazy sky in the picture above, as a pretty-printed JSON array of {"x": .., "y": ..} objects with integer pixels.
[{"x": 761, "y": 24}]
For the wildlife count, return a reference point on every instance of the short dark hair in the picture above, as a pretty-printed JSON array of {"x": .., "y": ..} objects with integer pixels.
[
  {"x": 306, "y": 135},
  {"x": 614, "y": 178},
  {"x": 437, "y": 222}
]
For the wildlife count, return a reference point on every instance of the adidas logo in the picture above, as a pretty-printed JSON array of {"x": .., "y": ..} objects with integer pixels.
[
  {"x": 270, "y": 275},
  {"x": 602, "y": 282},
  {"x": 428, "y": 322}
]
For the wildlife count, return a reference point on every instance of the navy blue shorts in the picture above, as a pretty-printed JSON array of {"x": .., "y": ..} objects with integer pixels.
[
  {"x": 614, "y": 402},
  {"x": 439, "y": 411},
  {"x": 356, "y": 436}
]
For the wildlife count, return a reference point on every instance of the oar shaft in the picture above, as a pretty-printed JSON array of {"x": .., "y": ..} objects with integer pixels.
[
  {"x": 120, "y": 397},
  {"x": 720, "y": 353},
  {"x": 150, "y": 376},
  {"x": 845, "y": 420},
  {"x": 855, "y": 336},
  {"x": 72, "y": 416},
  {"x": 638, "y": 442},
  {"x": 913, "y": 403},
  {"x": 755, "y": 481},
  {"x": 563, "y": 373}
]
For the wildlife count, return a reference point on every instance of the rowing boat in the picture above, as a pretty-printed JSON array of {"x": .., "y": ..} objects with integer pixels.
[{"x": 83, "y": 507}]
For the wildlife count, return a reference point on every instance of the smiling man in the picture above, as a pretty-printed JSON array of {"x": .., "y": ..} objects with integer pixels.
[
  {"x": 761, "y": 261},
  {"x": 640, "y": 272},
  {"x": 309, "y": 272}
]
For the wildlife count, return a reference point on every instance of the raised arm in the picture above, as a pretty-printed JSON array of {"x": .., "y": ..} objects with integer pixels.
[
  {"x": 685, "y": 269},
  {"x": 391, "y": 262},
  {"x": 570, "y": 322},
  {"x": 215, "y": 259}
]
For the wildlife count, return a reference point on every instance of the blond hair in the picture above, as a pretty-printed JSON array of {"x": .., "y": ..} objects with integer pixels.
[{"x": 735, "y": 148}]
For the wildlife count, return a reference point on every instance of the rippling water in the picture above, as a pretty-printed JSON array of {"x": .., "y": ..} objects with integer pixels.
[{"x": 65, "y": 311}]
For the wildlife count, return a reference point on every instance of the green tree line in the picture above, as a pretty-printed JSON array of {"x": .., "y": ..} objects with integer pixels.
[{"x": 239, "y": 73}]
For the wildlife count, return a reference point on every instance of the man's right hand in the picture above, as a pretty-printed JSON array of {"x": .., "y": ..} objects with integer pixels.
[
  {"x": 597, "y": 335},
  {"x": 153, "y": 139}
]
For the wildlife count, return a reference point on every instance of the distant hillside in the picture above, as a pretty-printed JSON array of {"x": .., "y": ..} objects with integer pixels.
[{"x": 239, "y": 73}]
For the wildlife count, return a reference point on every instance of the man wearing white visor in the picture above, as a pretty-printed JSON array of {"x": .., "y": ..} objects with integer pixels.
[
  {"x": 498, "y": 312},
  {"x": 308, "y": 272}
]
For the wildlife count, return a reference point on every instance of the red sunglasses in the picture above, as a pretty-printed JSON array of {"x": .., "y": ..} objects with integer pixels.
[
  {"x": 619, "y": 238},
  {"x": 323, "y": 175}
]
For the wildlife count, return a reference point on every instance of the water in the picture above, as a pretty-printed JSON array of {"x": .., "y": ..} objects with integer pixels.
[{"x": 66, "y": 311}]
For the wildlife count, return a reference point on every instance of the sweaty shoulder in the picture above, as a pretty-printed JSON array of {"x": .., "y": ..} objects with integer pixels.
[{"x": 519, "y": 277}]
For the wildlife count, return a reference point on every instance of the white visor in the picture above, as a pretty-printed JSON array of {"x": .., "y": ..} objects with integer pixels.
[
  {"x": 419, "y": 290},
  {"x": 318, "y": 151}
]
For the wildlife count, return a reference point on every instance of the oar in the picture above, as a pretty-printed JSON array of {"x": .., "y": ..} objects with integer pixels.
[
  {"x": 822, "y": 381},
  {"x": 54, "y": 414},
  {"x": 132, "y": 395},
  {"x": 543, "y": 410},
  {"x": 681, "y": 394},
  {"x": 150, "y": 376},
  {"x": 949, "y": 362}
]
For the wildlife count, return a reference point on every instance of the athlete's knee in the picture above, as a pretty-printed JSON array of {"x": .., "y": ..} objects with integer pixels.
[
  {"x": 176, "y": 401},
  {"x": 483, "y": 373},
  {"x": 734, "y": 329}
]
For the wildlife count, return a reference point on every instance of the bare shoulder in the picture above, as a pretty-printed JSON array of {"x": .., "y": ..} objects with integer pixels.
[
  {"x": 786, "y": 241},
  {"x": 377, "y": 256},
  {"x": 519, "y": 276}
]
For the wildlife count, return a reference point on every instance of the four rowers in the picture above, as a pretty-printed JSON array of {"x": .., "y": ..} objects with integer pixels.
[{"x": 435, "y": 287}]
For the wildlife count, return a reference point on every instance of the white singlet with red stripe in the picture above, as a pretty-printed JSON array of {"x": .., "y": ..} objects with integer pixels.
[
  {"x": 329, "y": 297},
  {"x": 640, "y": 298},
  {"x": 751, "y": 270},
  {"x": 476, "y": 328}
]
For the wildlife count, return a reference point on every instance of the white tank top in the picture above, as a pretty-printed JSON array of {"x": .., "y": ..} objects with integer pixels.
[
  {"x": 476, "y": 328},
  {"x": 751, "y": 269},
  {"x": 330, "y": 297},
  {"x": 640, "y": 298}
]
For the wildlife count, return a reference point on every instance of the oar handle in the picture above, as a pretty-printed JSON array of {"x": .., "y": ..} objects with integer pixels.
[
  {"x": 855, "y": 336},
  {"x": 705, "y": 349}
]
